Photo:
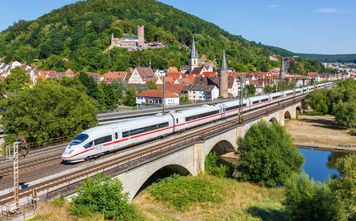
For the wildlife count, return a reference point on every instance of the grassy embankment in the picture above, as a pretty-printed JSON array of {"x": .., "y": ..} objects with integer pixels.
[{"x": 233, "y": 200}]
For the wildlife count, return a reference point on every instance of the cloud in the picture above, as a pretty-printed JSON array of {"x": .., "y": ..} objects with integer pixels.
[
  {"x": 331, "y": 10},
  {"x": 272, "y": 6}
]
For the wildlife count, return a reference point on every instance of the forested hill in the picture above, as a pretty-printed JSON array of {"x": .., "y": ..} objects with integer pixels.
[
  {"x": 318, "y": 57},
  {"x": 77, "y": 36}
]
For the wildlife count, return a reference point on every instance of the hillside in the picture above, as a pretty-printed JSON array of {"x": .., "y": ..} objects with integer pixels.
[
  {"x": 77, "y": 36},
  {"x": 344, "y": 58}
]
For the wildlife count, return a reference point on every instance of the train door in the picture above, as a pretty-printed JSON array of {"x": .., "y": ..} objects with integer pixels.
[{"x": 116, "y": 136}]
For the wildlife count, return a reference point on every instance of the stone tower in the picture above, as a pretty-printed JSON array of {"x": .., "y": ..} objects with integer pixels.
[
  {"x": 282, "y": 74},
  {"x": 193, "y": 57},
  {"x": 141, "y": 35},
  {"x": 223, "y": 78}
]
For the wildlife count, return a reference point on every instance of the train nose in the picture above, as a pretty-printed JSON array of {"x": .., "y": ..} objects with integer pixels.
[{"x": 66, "y": 154}]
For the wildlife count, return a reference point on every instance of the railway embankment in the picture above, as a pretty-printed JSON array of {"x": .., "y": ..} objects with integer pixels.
[{"x": 320, "y": 132}]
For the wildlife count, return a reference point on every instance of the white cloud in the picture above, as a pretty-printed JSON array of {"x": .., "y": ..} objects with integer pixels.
[
  {"x": 272, "y": 6},
  {"x": 330, "y": 10}
]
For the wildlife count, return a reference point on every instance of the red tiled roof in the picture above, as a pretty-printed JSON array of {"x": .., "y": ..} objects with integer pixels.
[
  {"x": 156, "y": 93},
  {"x": 69, "y": 71},
  {"x": 210, "y": 74}
]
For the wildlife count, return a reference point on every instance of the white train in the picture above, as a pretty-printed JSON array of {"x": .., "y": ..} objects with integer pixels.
[{"x": 99, "y": 140}]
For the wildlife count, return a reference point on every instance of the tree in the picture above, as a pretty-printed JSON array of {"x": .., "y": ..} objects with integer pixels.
[
  {"x": 308, "y": 200},
  {"x": 47, "y": 110},
  {"x": 317, "y": 101},
  {"x": 92, "y": 89},
  {"x": 183, "y": 98},
  {"x": 16, "y": 80},
  {"x": 119, "y": 87},
  {"x": 73, "y": 82},
  {"x": 109, "y": 96},
  {"x": 268, "y": 156},
  {"x": 251, "y": 90},
  {"x": 345, "y": 186},
  {"x": 130, "y": 98},
  {"x": 151, "y": 86},
  {"x": 104, "y": 195},
  {"x": 345, "y": 114}
]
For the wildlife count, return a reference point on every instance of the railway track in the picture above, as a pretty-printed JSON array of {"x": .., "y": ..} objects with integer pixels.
[{"x": 117, "y": 165}]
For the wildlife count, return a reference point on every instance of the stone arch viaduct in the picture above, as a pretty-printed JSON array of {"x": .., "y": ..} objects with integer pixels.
[{"x": 191, "y": 160}]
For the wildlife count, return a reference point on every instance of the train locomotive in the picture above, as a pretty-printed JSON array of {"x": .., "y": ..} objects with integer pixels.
[{"x": 99, "y": 140}]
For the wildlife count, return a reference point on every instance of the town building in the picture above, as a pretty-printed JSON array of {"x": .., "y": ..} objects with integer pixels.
[
  {"x": 141, "y": 75},
  {"x": 155, "y": 97}
]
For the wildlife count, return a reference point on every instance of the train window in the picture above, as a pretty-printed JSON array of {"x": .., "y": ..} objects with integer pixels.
[
  {"x": 103, "y": 140},
  {"x": 88, "y": 144},
  {"x": 245, "y": 104},
  {"x": 255, "y": 102},
  {"x": 265, "y": 100},
  {"x": 144, "y": 129},
  {"x": 177, "y": 120},
  {"x": 116, "y": 136},
  {"x": 190, "y": 118},
  {"x": 232, "y": 108},
  {"x": 79, "y": 139}
]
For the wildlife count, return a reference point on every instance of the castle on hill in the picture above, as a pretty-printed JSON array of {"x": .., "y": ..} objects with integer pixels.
[{"x": 134, "y": 43}]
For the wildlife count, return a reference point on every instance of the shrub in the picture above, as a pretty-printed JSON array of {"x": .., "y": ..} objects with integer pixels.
[
  {"x": 180, "y": 192},
  {"x": 104, "y": 195},
  {"x": 308, "y": 200},
  {"x": 268, "y": 155},
  {"x": 217, "y": 167},
  {"x": 345, "y": 187},
  {"x": 59, "y": 202}
]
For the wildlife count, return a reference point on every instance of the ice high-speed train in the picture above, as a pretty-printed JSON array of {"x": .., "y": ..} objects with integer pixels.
[{"x": 99, "y": 140}]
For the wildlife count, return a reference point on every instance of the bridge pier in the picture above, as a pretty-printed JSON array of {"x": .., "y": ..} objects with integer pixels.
[
  {"x": 198, "y": 159},
  {"x": 281, "y": 117}
]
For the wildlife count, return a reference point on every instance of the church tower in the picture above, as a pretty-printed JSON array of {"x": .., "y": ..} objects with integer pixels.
[
  {"x": 223, "y": 78},
  {"x": 282, "y": 74},
  {"x": 193, "y": 57}
]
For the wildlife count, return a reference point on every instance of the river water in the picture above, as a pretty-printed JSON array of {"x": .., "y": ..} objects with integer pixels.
[{"x": 319, "y": 164}]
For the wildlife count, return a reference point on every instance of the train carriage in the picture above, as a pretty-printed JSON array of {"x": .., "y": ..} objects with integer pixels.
[{"x": 196, "y": 116}]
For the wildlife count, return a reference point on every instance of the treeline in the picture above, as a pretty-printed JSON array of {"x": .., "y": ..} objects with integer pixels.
[
  {"x": 344, "y": 58},
  {"x": 53, "y": 108},
  {"x": 339, "y": 101},
  {"x": 77, "y": 36}
]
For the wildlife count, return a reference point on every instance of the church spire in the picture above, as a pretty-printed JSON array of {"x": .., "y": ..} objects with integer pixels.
[
  {"x": 223, "y": 62},
  {"x": 193, "y": 52}
]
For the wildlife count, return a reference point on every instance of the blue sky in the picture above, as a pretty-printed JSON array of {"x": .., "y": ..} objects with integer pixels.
[{"x": 306, "y": 26}]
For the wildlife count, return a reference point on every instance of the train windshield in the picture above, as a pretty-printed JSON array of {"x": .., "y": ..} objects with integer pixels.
[{"x": 79, "y": 139}]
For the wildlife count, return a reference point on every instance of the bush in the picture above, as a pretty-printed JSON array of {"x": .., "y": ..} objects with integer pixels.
[
  {"x": 268, "y": 155},
  {"x": 104, "y": 195},
  {"x": 308, "y": 200},
  {"x": 217, "y": 167},
  {"x": 180, "y": 192},
  {"x": 345, "y": 187}
]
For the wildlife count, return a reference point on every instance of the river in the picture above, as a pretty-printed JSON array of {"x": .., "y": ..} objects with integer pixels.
[{"x": 319, "y": 164}]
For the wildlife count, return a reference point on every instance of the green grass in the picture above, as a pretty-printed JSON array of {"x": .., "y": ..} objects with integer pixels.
[{"x": 180, "y": 192}]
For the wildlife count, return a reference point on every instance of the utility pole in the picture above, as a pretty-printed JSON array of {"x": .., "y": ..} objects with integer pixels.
[
  {"x": 14, "y": 207},
  {"x": 241, "y": 98},
  {"x": 164, "y": 92}
]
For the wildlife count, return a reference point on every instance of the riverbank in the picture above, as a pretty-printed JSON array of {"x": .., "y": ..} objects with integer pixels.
[{"x": 320, "y": 132}]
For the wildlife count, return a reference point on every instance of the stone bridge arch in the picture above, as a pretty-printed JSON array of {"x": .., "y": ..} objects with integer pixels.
[
  {"x": 287, "y": 115},
  {"x": 135, "y": 179}
]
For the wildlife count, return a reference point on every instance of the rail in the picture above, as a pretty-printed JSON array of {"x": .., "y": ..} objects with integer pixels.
[{"x": 65, "y": 184}]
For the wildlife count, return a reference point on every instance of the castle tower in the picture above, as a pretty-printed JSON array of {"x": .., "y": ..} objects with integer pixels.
[
  {"x": 223, "y": 78},
  {"x": 193, "y": 57},
  {"x": 141, "y": 35}
]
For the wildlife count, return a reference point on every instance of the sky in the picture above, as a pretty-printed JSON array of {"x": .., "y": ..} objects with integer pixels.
[{"x": 303, "y": 26}]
